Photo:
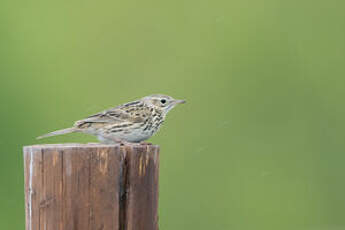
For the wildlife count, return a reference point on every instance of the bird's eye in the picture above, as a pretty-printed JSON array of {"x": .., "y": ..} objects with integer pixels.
[{"x": 163, "y": 101}]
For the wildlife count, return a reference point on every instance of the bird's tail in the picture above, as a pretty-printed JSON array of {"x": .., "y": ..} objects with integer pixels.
[{"x": 58, "y": 132}]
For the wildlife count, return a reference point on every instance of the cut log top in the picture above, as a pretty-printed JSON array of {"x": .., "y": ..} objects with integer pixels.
[
  {"x": 91, "y": 186},
  {"x": 87, "y": 146}
]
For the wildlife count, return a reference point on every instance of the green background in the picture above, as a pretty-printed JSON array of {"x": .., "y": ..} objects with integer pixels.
[{"x": 260, "y": 143}]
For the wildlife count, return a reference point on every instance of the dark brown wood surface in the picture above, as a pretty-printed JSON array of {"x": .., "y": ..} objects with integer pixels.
[{"x": 91, "y": 187}]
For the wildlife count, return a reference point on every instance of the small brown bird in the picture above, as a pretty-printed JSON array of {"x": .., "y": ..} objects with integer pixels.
[{"x": 131, "y": 122}]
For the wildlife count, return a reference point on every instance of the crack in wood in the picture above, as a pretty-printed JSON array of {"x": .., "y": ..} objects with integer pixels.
[{"x": 124, "y": 181}]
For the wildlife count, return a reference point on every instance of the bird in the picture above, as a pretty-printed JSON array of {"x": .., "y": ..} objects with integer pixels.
[{"x": 132, "y": 122}]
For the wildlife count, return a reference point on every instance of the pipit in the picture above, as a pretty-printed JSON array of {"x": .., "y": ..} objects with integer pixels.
[{"x": 131, "y": 122}]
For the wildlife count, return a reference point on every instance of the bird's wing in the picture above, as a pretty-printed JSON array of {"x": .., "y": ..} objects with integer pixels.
[{"x": 117, "y": 115}]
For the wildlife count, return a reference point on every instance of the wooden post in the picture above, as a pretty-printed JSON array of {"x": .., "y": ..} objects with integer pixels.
[{"x": 91, "y": 187}]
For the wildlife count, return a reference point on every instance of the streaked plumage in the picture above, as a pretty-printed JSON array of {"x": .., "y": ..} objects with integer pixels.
[{"x": 131, "y": 122}]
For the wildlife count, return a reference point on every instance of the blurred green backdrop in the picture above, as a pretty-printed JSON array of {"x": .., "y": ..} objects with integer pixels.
[{"x": 260, "y": 143}]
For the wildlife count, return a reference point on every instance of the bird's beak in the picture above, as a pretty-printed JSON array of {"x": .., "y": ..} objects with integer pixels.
[{"x": 180, "y": 101}]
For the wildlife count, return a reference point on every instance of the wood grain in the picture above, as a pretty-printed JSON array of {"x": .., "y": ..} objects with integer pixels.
[{"x": 91, "y": 187}]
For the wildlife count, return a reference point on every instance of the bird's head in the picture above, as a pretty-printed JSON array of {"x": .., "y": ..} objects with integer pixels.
[{"x": 162, "y": 102}]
